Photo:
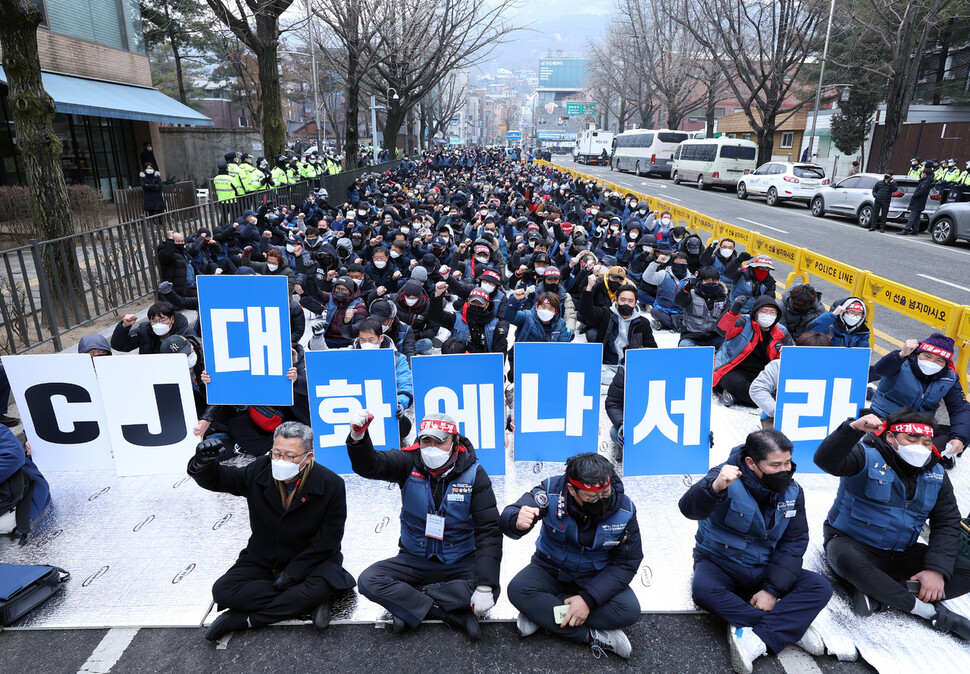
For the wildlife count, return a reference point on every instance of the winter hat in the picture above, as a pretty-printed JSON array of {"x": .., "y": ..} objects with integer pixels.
[
  {"x": 616, "y": 271},
  {"x": 762, "y": 261},
  {"x": 346, "y": 282},
  {"x": 245, "y": 271},
  {"x": 940, "y": 345},
  {"x": 175, "y": 344},
  {"x": 419, "y": 274},
  {"x": 437, "y": 425},
  {"x": 492, "y": 276},
  {"x": 552, "y": 272},
  {"x": 89, "y": 342},
  {"x": 478, "y": 294},
  {"x": 382, "y": 310}
]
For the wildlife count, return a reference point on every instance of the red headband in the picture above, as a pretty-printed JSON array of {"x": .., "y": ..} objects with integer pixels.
[
  {"x": 936, "y": 351},
  {"x": 912, "y": 429},
  {"x": 439, "y": 425},
  {"x": 599, "y": 486}
]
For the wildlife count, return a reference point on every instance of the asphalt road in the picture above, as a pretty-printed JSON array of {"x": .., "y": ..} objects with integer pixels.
[
  {"x": 943, "y": 271},
  {"x": 661, "y": 643}
]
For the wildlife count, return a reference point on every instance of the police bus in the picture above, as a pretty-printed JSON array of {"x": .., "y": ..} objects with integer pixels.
[{"x": 646, "y": 151}]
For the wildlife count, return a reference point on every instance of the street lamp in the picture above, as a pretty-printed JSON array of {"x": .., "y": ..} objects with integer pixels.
[
  {"x": 313, "y": 77},
  {"x": 821, "y": 76}
]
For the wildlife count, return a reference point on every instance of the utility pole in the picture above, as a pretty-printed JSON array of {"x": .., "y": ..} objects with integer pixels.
[{"x": 313, "y": 74}]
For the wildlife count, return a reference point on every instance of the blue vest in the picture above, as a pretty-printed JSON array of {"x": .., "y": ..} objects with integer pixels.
[
  {"x": 737, "y": 530},
  {"x": 456, "y": 508},
  {"x": 872, "y": 507},
  {"x": 665, "y": 294},
  {"x": 461, "y": 330},
  {"x": 534, "y": 331},
  {"x": 559, "y": 538},
  {"x": 750, "y": 288},
  {"x": 903, "y": 389}
]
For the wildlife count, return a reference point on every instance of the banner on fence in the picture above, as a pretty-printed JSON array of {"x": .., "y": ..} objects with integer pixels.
[
  {"x": 557, "y": 400},
  {"x": 246, "y": 339},
  {"x": 818, "y": 388},
  {"x": 469, "y": 388},
  {"x": 345, "y": 381},
  {"x": 667, "y": 411},
  {"x": 59, "y": 401},
  {"x": 135, "y": 415}
]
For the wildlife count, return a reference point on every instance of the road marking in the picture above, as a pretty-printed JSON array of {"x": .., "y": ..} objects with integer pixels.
[
  {"x": 888, "y": 338},
  {"x": 797, "y": 661},
  {"x": 108, "y": 652},
  {"x": 938, "y": 246},
  {"x": 946, "y": 283},
  {"x": 670, "y": 197},
  {"x": 774, "y": 229}
]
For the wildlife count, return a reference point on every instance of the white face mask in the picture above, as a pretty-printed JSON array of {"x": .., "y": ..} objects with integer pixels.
[
  {"x": 263, "y": 165},
  {"x": 362, "y": 212},
  {"x": 193, "y": 359},
  {"x": 852, "y": 319},
  {"x": 633, "y": 204},
  {"x": 434, "y": 458},
  {"x": 385, "y": 328},
  {"x": 726, "y": 252},
  {"x": 366, "y": 346},
  {"x": 149, "y": 171},
  {"x": 410, "y": 301},
  {"x": 160, "y": 328},
  {"x": 394, "y": 254},
  {"x": 405, "y": 230},
  {"x": 545, "y": 315},
  {"x": 766, "y": 320},
  {"x": 284, "y": 470},
  {"x": 928, "y": 367},
  {"x": 488, "y": 287},
  {"x": 665, "y": 221},
  {"x": 540, "y": 271},
  {"x": 481, "y": 258},
  {"x": 915, "y": 455},
  {"x": 633, "y": 235},
  {"x": 380, "y": 264},
  {"x": 149, "y": 148},
  {"x": 271, "y": 266},
  {"x": 290, "y": 248},
  {"x": 358, "y": 282}
]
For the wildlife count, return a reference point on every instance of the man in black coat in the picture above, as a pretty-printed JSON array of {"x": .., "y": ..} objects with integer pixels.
[
  {"x": 175, "y": 264},
  {"x": 151, "y": 185},
  {"x": 451, "y": 546},
  {"x": 292, "y": 564},
  {"x": 882, "y": 194},
  {"x": 163, "y": 321},
  {"x": 918, "y": 202},
  {"x": 752, "y": 534}
]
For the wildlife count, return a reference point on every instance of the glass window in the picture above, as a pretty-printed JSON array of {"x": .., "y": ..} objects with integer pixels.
[
  {"x": 787, "y": 139},
  {"x": 737, "y": 152},
  {"x": 849, "y": 183},
  {"x": 867, "y": 183},
  {"x": 764, "y": 170},
  {"x": 803, "y": 171},
  {"x": 100, "y": 21},
  {"x": 671, "y": 137}
]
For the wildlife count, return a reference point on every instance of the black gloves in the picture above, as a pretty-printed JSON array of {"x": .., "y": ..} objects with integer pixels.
[
  {"x": 739, "y": 304},
  {"x": 283, "y": 581},
  {"x": 208, "y": 451},
  {"x": 745, "y": 256}
]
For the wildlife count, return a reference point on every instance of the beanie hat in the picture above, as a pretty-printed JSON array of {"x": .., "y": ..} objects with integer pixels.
[
  {"x": 419, "y": 273},
  {"x": 938, "y": 344}
]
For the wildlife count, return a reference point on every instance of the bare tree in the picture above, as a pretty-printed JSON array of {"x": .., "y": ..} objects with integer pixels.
[
  {"x": 760, "y": 46},
  {"x": 238, "y": 64},
  {"x": 616, "y": 67},
  {"x": 443, "y": 103},
  {"x": 425, "y": 40},
  {"x": 257, "y": 25}
]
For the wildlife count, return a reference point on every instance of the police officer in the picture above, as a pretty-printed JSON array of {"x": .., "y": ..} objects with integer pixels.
[
  {"x": 915, "y": 168},
  {"x": 227, "y": 186},
  {"x": 891, "y": 483},
  {"x": 451, "y": 546},
  {"x": 263, "y": 173},
  {"x": 232, "y": 161},
  {"x": 248, "y": 175},
  {"x": 278, "y": 172},
  {"x": 752, "y": 534},
  {"x": 292, "y": 564},
  {"x": 577, "y": 585}
]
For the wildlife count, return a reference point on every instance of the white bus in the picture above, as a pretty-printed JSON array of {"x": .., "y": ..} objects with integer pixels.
[
  {"x": 646, "y": 151},
  {"x": 593, "y": 147},
  {"x": 714, "y": 161}
]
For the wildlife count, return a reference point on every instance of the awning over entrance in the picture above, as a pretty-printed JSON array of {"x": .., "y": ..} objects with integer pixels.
[{"x": 78, "y": 96}]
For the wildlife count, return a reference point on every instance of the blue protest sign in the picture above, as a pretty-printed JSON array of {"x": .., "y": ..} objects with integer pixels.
[
  {"x": 469, "y": 388},
  {"x": 557, "y": 400},
  {"x": 341, "y": 383},
  {"x": 667, "y": 411},
  {"x": 246, "y": 339},
  {"x": 818, "y": 388}
]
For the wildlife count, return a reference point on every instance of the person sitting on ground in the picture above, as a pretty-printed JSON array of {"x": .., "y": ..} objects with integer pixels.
[
  {"x": 890, "y": 484},
  {"x": 618, "y": 328},
  {"x": 764, "y": 388},
  {"x": 163, "y": 321},
  {"x": 750, "y": 277},
  {"x": 24, "y": 492},
  {"x": 703, "y": 299},
  {"x": 750, "y": 343},
  {"x": 752, "y": 534},
  {"x": 845, "y": 323},
  {"x": 577, "y": 585},
  {"x": 800, "y": 305},
  {"x": 292, "y": 565},
  {"x": 450, "y": 546}
]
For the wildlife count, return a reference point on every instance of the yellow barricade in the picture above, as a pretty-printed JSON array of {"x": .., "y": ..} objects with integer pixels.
[
  {"x": 832, "y": 271},
  {"x": 704, "y": 223},
  {"x": 741, "y": 236},
  {"x": 942, "y": 315},
  {"x": 781, "y": 251}
]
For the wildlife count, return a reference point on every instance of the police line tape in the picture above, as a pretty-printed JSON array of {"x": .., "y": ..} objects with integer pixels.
[{"x": 941, "y": 315}]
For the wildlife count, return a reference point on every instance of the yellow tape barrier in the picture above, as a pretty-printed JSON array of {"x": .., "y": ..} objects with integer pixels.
[{"x": 941, "y": 315}]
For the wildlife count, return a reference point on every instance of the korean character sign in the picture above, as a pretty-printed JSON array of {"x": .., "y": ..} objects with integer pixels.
[
  {"x": 341, "y": 382},
  {"x": 469, "y": 388},
  {"x": 667, "y": 411},
  {"x": 246, "y": 339},
  {"x": 818, "y": 389},
  {"x": 557, "y": 400}
]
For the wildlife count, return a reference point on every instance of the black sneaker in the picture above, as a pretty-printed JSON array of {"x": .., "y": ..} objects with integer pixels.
[
  {"x": 464, "y": 620},
  {"x": 321, "y": 616},
  {"x": 230, "y": 621},
  {"x": 8, "y": 421},
  {"x": 863, "y": 605},
  {"x": 948, "y": 621},
  {"x": 398, "y": 625}
]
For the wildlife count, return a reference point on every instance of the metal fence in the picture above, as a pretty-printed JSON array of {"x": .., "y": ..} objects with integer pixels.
[
  {"x": 50, "y": 287},
  {"x": 130, "y": 202}
]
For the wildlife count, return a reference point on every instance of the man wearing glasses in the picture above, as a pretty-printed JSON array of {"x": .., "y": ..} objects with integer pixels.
[
  {"x": 578, "y": 583},
  {"x": 292, "y": 564}
]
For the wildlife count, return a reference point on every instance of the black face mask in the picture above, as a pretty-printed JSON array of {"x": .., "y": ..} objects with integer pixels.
[
  {"x": 709, "y": 289},
  {"x": 339, "y": 298},
  {"x": 625, "y": 310},
  {"x": 595, "y": 509},
  {"x": 614, "y": 285},
  {"x": 680, "y": 270},
  {"x": 777, "y": 481}
]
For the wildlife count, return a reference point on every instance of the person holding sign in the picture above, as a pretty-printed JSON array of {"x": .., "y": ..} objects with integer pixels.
[
  {"x": 752, "y": 534},
  {"x": 577, "y": 585},
  {"x": 292, "y": 565},
  {"x": 451, "y": 546},
  {"x": 891, "y": 484}
]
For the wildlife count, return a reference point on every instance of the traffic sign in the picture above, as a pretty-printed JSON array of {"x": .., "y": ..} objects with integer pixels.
[
  {"x": 580, "y": 108},
  {"x": 513, "y": 135}
]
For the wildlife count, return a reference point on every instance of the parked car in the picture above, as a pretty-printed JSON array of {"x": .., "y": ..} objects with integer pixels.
[
  {"x": 714, "y": 161},
  {"x": 852, "y": 198},
  {"x": 782, "y": 181},
  {"x": 950, "y": 222}
]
